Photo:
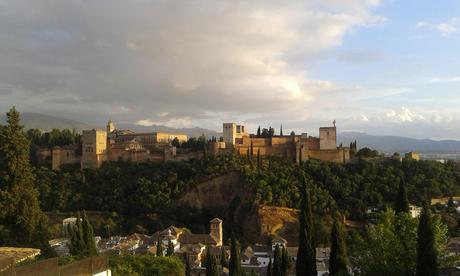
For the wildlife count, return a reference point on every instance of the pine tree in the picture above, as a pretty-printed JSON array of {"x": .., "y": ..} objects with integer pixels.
[
  {"x": 21, "y": 221},
  {"x": 427, "y": 259},
  {"x": 235, "y": 262},
  {"x": 338, "y": 256},
  {"x": 88, "y": 237},
  {"x": 277, "y": 261},
  {"x": 211, "y": 265},
  {"x": 306, "y": 254},
  {"x": 159, "y": 248},
  {"x": 402, "y": 203},
  {"x": 170, "y": 249}
]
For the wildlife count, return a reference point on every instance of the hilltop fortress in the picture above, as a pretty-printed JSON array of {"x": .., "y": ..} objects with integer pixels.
[
  {"x": 294, "y": 147},
  {"x": 112, "y": 144}
]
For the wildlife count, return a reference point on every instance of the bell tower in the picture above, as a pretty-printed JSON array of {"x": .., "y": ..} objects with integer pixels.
[{"x": 216, "y": 230}]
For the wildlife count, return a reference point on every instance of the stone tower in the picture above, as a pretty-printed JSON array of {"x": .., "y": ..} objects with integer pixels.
[
  {"x": 110, "y": 127},
  {"x": 94, "y": 148},
  {"x": 216, "y": 230}
]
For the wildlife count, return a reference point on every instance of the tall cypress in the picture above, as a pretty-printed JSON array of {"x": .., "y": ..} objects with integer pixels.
[
  {"x": 22, "y": 223},
  {"x": 258, "y": 159},
  {"x": 402, "y": 203},
  {"x": 170, "y": 249},
  {"x": 427, "y": 257},
  {"x": 235, "y": 261},
  {"x": 211, "y": 265},
  {"x": 306, "y": 254},
  {"x": 338, "y": 256},
  {"x": 270, "y": 268},
  {"x": 277, "y": 261},
  {"x": 285, "y": 262},
  {"x": 281, "y": 130},
  {"x": 258, "y": 132},
  {"x": 88, "y": 236},
  {"x": 159, "y": 248},
  {"x": 188, "y": 267}
]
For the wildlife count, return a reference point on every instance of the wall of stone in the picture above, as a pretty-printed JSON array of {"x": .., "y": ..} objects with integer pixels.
[{"x": 328, "y": 138}]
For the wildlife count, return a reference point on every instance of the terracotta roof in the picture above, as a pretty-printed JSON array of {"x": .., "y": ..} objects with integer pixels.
[{"x": 197, "y": 238}]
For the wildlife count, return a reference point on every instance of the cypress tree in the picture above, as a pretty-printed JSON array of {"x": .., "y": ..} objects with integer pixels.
[
  {"x": 88, "y": 237},
  {"x": 235, "y": 262},
  {"x": 402, "y": 203},
  {"x": 159, "y": 248},
  {"x": 306, "y": 254},
  {"x": 427, "y": 259},
  {"x": 170, "y": 249},
  {"x": 281, "y": 130},
  {"x": 22, "y": 223},
  {"x": 270, "y": 268},
  {"x": 188, "y": 268},
  {"x": 258, "y": 158},
  {"x": 258, "y": 132},
  {"x": 277, "y": 261},
  {"x": 285, "y": 262},
  {"x": 80, "y": 240},
  {"x": 338, "y": 256},
  {"x": 223, "y": 258},
  {"x": 211, "y": 265}
]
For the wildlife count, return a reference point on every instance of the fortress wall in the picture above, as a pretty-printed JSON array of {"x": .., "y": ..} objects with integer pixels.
[{"x": 339, "y": 155}]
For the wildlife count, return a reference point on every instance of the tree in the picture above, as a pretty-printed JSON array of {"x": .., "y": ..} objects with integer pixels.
[
  {"x": 427, "y": 257},
  {"x": 159, "y": 248},
  {"x": 188, "y": 267},
  {"x": 170, "y": 249},
  {"x": 211, "y": 265},
  {"x": 258, "y": 132},
  {"x": 338, "y": 256},
  {"x": 306, "y": 254},
  {"x": 88, "y": 237},
  {"x": 223, "y": 258},
  {"x": 22, "y": 223},
  {"x": 270, "y": 268},
  {"x": 235, "y": 262},
  {"x": 281, "y": 130},
  {"x": 285, "y": 262},
  {"x": 277, "y": 261},
  {"x": 402, "y": 203}
]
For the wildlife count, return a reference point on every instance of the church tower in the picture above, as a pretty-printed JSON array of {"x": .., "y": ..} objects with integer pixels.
[{"x": 216, "y": 230}]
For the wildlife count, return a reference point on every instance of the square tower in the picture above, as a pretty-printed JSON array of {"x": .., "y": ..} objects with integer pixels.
[
  {"x": 327, "y": 138},
  {"x": 216, "y": 231},
  {"x": 94, "y": 148},
  {"x": 232, "y": 131}
]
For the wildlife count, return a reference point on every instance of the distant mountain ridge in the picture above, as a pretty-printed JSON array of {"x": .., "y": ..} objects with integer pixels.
[
  {"x": 47, "y": 123},
  {"x": 391, "y": 144}
]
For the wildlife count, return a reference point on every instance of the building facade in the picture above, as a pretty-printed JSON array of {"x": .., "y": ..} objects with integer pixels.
[{"x": 294, "y": 147}]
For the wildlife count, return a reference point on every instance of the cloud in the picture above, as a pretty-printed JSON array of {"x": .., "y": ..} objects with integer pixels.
[
  {"x": 403, "y": 115},
  {"x": 201, "y": 60},
  {"x": 444, "y": 28},
  {"x": 444, "y": 79}
]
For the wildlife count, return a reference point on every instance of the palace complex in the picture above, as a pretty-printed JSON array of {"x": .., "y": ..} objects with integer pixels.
[{"x": 294, "y": 147}]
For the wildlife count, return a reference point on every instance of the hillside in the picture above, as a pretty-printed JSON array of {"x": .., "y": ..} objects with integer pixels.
[{"x": 391, "y": 144}]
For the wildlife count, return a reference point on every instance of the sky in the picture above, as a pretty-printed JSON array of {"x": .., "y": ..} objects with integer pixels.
[{"x": 384, "y": 67}]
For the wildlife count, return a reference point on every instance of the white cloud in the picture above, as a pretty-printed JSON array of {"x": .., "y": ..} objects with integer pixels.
[
  {"x": 444, "y": 79},
  {"x": 403, "y": 115},
  {"x": 445, "y": 28},
  {"x": 192, "y": 58}
]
